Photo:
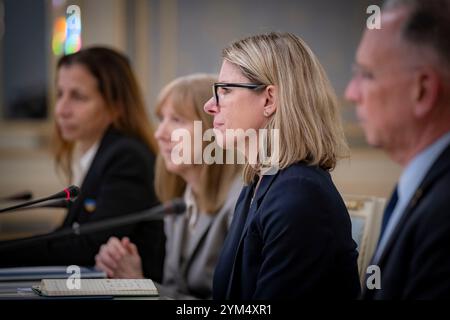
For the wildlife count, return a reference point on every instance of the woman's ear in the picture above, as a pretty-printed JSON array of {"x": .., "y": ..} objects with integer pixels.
[{"x": 270, "y": 107}]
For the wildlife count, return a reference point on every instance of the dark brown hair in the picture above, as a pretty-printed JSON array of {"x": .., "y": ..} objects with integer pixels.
[{"x": 120, "y": 90}]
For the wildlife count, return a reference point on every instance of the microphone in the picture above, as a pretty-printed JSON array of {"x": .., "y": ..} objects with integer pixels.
[
  {"x": 55, "y": 203},
  {"x": 176, "y": 206},
  {"x": 69, "y": 194},
  {"x": 24, "y": 196}
]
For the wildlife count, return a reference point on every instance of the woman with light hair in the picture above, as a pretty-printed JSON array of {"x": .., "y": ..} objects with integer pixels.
[
  {"x": 291, "y": 233},
  {"x": 195, "y": 238}
]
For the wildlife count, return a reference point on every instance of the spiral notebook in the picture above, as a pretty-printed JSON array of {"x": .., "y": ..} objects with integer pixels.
[{"x": 97, "y": 287}]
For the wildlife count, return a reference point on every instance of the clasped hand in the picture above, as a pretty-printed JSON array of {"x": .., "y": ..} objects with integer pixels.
[{"x": 119, "y": 259}]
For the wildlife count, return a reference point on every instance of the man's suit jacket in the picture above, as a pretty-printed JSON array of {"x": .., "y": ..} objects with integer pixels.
[
  {"x": 118, "y": 182},
  {"x": 192, "y": 278},
  {"x": 416, "y": 261},
  {"x": 292, "y": 241}
]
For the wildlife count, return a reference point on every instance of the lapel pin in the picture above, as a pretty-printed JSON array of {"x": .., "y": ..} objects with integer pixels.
[{"x": 90, "y": 205}]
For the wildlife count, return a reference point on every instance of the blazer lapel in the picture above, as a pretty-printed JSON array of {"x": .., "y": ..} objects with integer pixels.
[
  {"x": 237, "y": 226},
  {"x": 91, "y": 176},
  {"x": 175, "y": 254},
  {"x": 204, "y": 223},
  {"x": 246, "y": 211},
  {"x": 264, "y": 185},
  {"x": 108, "y": 139},
  {"x": 408, "y": 211},
  {"x": 441, "y": 165}
]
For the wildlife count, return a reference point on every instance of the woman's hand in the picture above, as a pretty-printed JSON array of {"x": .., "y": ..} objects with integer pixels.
[{"x": 119, "y": 259}]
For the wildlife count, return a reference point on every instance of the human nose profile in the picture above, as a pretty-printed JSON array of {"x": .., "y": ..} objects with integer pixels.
[
  {"x": 352, "y": 91},
  {"x": 62, "y": 108},
  {"x": 211, "y": 107},
  {"x": 161, "y": 131}
]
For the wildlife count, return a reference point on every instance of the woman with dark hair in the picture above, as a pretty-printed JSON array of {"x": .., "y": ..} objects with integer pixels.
[{"x": 104, "y": 143}]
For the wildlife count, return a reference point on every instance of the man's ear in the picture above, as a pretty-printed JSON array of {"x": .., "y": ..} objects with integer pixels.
[
  {"x": 270, "y": 93},
  {"x": 427, "y": 87}
]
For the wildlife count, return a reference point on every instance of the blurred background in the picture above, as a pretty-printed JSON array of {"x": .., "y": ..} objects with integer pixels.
[{"x": 163, "y": 39}]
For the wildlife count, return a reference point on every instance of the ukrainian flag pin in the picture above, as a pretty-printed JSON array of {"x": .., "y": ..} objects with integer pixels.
[{"x": 90, "y": 205}]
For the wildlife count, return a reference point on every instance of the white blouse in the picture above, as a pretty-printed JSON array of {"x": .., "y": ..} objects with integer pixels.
[{"x": 82, "y": 162}]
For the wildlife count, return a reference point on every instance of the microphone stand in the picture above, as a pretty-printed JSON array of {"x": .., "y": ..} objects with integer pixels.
[
  {"x": 24, "y": 196},
  {"x": 69, "y": 193},
  {"x": 53, "y": 203},
  {"x": 176, "y": 206},
  {"x": 56, "y": 203}
]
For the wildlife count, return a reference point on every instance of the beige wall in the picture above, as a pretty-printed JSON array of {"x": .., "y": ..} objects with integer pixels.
[
  {"x": 366, "y": 172},
  {"x": 28, "y": 170},
  {"x": 160, "y": 37},
  {"x": 104, "y": 23}
]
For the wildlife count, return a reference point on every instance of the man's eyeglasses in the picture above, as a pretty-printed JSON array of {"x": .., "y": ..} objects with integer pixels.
[{"x": 251, "y": 86}]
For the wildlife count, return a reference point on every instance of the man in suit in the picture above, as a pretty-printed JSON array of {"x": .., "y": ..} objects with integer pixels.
[{"x": 401, "y": 87}]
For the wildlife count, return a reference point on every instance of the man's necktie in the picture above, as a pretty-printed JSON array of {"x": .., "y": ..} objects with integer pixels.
[{"x": 388, "y": 212}]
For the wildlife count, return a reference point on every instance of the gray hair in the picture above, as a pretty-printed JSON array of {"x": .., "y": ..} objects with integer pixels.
[{"x": 427, "y": 24}]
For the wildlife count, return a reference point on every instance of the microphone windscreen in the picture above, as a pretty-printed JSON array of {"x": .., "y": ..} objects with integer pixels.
[{"x": 73, "y": 191}]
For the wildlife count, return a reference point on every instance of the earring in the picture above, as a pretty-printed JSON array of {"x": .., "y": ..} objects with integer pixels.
[{"x": 266, "y": 113}]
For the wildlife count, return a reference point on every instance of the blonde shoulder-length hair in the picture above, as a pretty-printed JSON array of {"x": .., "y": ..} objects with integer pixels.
[
  {"x": 307, "y": 114},
  {"x": 187, "y": 95}
]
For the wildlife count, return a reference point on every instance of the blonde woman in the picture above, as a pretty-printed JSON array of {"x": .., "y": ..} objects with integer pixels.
[
  {"x": 291, "y": 233},
  {"x": 194, "y": 239}
]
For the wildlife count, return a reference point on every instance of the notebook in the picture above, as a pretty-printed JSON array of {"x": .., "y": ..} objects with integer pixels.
[{"x": 97, "y": 287}]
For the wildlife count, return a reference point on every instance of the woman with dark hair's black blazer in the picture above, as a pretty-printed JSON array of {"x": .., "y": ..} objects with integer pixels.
[{"x": 118, "y": 182}]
